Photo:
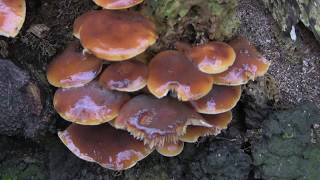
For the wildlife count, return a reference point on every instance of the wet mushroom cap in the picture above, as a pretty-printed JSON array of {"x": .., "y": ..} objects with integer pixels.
[
  {"x": 12, "y": 16},
  {"x": 73, "y": 68},
  {"x": 79, "y": 21},
  {"x": 117, "y": 4},
  {"x": 115, "y": 35},
  {"x": 172, "y": 70},
  {"x": 248, "y": 65},
  {"x": 111, "y": 148},
  {"x": 170, "y": 149},
  {"x": 126, "y": 76},
  {"x": 212, "y": 58},
  {"x": 156, "y": 121},
  {"x": 218, "y": 121},
  {"x": 220, "y": 99},
  {"x": 88, "y": 105}
]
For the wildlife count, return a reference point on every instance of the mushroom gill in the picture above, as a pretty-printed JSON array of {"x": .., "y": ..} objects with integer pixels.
[{"x": 157, "y": 121}]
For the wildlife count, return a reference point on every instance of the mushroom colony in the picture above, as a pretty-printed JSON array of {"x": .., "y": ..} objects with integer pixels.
[{"x": 123, "y": 108}]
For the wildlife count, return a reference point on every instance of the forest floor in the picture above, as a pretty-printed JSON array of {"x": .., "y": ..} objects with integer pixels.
[{"x": 275, "y": 133}]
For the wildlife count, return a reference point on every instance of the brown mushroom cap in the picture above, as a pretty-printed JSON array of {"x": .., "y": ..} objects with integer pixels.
[
  {"x": 170, "y": 149},
  {"x": 220, "y": 99},
  {"x": 218, "y": 121},
  {"x": 88, "y": 105},
  {"x": 12, "y": 16},
  {"x": 211, "y": 58},
  {"x": 157, "y": 121},
  {"x": 115, "y": 35},
  {"x": 73, "y": 68},
  {"x": 248, "y": 65},
  {"x": 111, "y": 148},
  {"x": 117, "y": 4},
  {"x": 171, "y": 70},
  {"x": 126, "y": 76}
]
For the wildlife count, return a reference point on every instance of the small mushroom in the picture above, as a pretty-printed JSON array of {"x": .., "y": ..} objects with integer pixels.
[
  {"x": 218, "y": 122},
  {"x": 211, "y": 58},
  {"x": 73, "y": 68},
  {"x": 88, "y": 105},
  {"x": 117, "y": 4},
  {"x": 111, "y": 148},
  {"x": 12, "y": 16},
  {"x": 157, "y": 121},
  {"x": 171, "y": 149},
  {"x": 126, "y": 76},
  {"x": 115, "y": 35},
  {"x": 220, "y": 99},
  {"x": 248, "y": 65},
  {"x": 171, "y": 70}
]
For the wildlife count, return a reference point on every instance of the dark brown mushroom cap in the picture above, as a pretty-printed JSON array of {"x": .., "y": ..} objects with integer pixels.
[
  {"x": 115, "y": 35},
  {"x": 126, "y": 76},
  {"x": 12, "y": 16},
  {"x": 171, "y": 70},
  {"x": 156, "y": 121},
  {"x": 220, "y": 99},
  {"x": 88, "y": 105},
  {"x": 117, "y": 4},
  {"x": 111, "y": 148},
  {"x": 218, "y": 122},
  {"x": 248, "y": 65},
  {"x": 211, "y": 58},
  {"x": 171, "y": 149},
  {"x": 73, "y": 68}
]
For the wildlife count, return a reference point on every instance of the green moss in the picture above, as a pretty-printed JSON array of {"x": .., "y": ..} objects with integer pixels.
[
  {"x": 195, "y": 21},
  {"x": 286, "y": 150}
]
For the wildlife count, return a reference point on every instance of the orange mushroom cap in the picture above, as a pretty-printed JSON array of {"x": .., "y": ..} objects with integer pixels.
[
  {"x": 218, "y": 122},
  {"x": 126, "y": 76},
  {"x": 111, "y": 148},
  {"x": 220, "y": 99},
  {"x": 115, "y": 35},
  {"x": 211, "y": 58},
  {"x": 171, "y": 149},
  {"x": 248, "y": 65},
  {"x": 157, "y": 121},
  {"x": 171, "y": 70},
  {"x": 117, "y": 4},
  {"x": 73, "y": 68},
  {"x": 88, "y": 105},
  {"x": 12, "y": 16}
]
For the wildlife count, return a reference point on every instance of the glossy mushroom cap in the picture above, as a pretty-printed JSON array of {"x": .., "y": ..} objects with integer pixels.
[
  {"x": 157, "y": 121},
  {"x": 171, "y": 149},
  {"x": 12, "y": 16},
  {"x": 73, "y": 68},
  {"x": 211, "y": 58},
  {"x": 126, "y": 76},
  {"x": 171, "y": 70},
  {"x": 220, "y": 99},
  {"x": 112, "y": 149},
  {"x": 115, "y": 35},
  {"x": 248, "y": 65},
  {"x": 117, "y": 4},
  {"x": 218, "y": 122},
  {"x": 88, "y": 105}
]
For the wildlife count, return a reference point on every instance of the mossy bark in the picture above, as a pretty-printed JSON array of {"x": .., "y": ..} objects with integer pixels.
[{"x": 290, "y": 12}]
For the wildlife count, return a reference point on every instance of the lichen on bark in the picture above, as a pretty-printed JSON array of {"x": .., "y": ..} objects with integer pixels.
[{"x": 290, "y": 12}]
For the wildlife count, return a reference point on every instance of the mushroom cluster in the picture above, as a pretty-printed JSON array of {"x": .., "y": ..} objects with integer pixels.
[
  {"x": 134, "y": 107},
  {"x": 12, "y": 16}
]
